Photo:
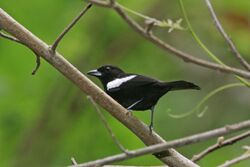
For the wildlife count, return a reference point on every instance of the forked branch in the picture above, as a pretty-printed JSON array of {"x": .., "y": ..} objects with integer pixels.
[{"x": 165, "y": 46}]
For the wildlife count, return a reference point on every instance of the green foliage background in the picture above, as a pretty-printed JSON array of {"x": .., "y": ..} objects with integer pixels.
[{"x": 45, "y": 119}]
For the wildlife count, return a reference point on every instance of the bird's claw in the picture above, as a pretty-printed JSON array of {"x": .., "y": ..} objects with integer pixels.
[{"x": 150, "y": 128}]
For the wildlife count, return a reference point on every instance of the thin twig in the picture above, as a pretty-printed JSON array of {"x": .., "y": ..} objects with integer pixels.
[
  {"x": 60, "y": 37},
  {"x": 38, "y": 63},
  {"x": 9, "y": 37},
  {"x": 226, "y": 37},
  {"x": 165, "y": 46},
  {"x": 73, "y": 161},
  {"x": 236, "y": 160},
  {"x": 220, "y": 144},
  {"x": 105, "y": 123},
  {"x": 203, "y": 46},
  {"x": 171, "y": 144}
]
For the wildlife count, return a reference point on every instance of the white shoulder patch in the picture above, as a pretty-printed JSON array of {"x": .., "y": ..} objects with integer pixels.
[{"x": 117, "y": 82}]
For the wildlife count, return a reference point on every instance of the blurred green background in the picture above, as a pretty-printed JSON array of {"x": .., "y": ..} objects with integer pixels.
[{"x": 45, "y": 120}]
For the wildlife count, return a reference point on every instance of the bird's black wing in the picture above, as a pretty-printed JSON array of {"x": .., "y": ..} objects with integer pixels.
[{"x": 138, "y": 93}]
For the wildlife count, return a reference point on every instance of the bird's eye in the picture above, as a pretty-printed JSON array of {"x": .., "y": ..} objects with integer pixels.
[{"x": 108, "y": 68}]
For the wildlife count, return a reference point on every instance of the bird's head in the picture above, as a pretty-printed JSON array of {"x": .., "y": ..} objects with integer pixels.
[{"x": 106, "y": 73}]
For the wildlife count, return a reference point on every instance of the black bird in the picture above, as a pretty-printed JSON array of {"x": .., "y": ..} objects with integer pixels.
[{"x": 134, "y": 91}]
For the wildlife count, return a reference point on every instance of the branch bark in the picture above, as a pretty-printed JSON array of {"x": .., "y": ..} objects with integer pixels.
[{"x": 169, "y": 157}]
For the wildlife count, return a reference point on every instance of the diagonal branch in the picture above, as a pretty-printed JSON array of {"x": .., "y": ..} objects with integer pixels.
[
  {"x": 165, "y": 46},
  {"x": 218, "y": 145},
  {"x": 226, "y": 37},
  {"x": 169, "y": 157},
  {"x": 171, "y": 144},
  {"x": 60, "y": 37}
]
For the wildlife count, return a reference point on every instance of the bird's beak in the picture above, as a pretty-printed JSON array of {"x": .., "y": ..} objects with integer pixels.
[{"x": 95, "y": 73}]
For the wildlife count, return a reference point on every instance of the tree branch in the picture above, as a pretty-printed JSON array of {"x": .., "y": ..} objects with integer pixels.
[
  {"x": 236, "y": 160},
  {"x": 163, "y": 45},
  {"x": 171, "y": 144},
  {"x": 221, "y": 144},
  {"x": 169, "y": 157},
  {"x": 226, "y": 37},
  {"x": 60, "y": 37}
]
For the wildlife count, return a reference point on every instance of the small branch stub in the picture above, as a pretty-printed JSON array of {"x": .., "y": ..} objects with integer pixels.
[
  {"x": 73, "y": 161},
  {"x": 149, "y": 26}
]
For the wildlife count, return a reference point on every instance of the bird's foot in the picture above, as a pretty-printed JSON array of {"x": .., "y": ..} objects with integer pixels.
[{"x": 150, "y": 128}]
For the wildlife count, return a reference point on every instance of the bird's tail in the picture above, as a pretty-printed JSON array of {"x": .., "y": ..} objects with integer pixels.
[{"x": 179, "y": 85}]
